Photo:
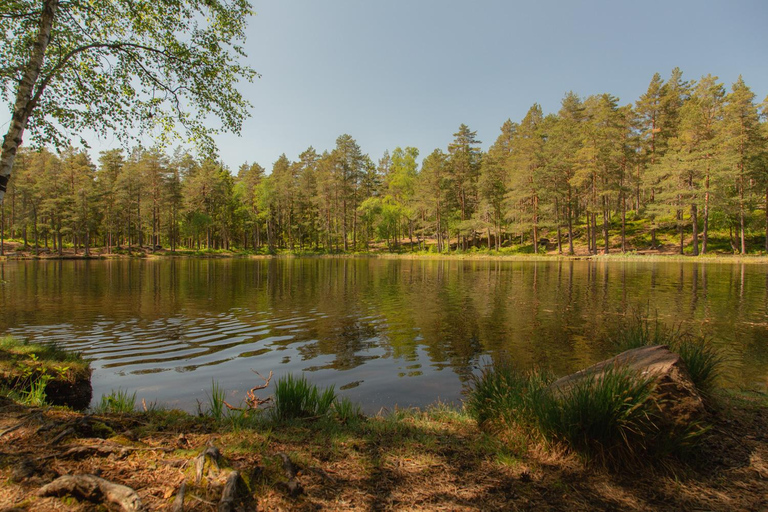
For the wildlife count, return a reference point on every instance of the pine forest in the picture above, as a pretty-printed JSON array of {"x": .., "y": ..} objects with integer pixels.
[{"x": 685, "y": 167}]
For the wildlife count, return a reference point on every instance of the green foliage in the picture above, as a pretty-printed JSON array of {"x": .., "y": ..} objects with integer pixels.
[
  {"x": 216, "y": 407},
  {"x": 642, "y": 331},
  {"x": 163, "y": 65},
  {"x": 609, "y": 415},
  {"x": 117, "y": 402},
  {"x": 28, "y": 368},
  {"x": 296, "y": 398},
  {"x": 703, "y": 361},
  {"x": 502, "y": 393},
  {"x": 347, "y": 411}
]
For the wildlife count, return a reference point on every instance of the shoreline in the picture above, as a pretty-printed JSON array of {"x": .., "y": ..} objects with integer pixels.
[{"x": 467, "y": 256}]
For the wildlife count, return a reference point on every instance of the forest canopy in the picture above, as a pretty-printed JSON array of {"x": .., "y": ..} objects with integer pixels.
[{"x": 686, "y": 160}]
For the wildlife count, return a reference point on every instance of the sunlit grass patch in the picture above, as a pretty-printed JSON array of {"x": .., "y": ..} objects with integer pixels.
[
  {"x": 27, "y": 369},
  {"x": 296, "y": 397},
  {"x": 117, "y": 402}
]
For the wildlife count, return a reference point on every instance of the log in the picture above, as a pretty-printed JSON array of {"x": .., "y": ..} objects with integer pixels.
[
  {"x": 676, "y": 395},
  {"x": 95, "y": 489},
  {"x": 228, "y": 495}
]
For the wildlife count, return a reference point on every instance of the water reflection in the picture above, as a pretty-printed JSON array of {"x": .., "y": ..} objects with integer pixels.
[{"x": 383, "y": 331}]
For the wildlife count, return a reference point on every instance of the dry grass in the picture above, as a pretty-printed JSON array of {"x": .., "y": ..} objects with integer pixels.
[{"x": 436, "y": 459}]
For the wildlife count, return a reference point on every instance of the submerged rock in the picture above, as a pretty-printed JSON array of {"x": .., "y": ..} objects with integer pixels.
[{"x": 679, "y": 401}]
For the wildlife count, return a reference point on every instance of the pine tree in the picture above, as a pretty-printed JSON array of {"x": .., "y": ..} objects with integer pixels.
[{"x": 741, "y": 145}]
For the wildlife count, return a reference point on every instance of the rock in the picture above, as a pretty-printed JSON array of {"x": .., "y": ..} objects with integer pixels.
[{"x": 679, "y": 401}]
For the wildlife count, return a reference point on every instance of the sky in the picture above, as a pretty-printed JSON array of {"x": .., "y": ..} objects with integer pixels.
[{"x": 408, "y": 73}]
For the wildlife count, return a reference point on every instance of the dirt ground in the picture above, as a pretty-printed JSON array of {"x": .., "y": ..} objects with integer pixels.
[{"x": 427, "y": 466}]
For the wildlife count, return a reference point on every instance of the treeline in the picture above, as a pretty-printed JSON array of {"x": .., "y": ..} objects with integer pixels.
[{"x": 687, "y": 154}]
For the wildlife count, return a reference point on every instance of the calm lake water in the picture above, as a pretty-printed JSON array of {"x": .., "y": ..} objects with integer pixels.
[{"x": 384, "y": 332}]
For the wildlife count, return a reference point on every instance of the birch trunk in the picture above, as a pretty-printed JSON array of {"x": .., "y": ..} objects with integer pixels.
[{"x": 26, "y": 96}]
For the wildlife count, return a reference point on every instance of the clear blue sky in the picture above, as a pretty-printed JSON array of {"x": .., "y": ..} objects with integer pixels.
[{"x": 408, "y": 73}]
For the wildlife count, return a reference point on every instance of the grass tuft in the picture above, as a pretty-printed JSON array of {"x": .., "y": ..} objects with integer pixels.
[
  {"x": 296, "y": 398},
  {"x": 642, "y": 331},
  {"x": 703, "y": 361},
  {"x": 608, "y": 416},
  {"x": 117, "y": 402},
  {"x": 502, "y": 394}
]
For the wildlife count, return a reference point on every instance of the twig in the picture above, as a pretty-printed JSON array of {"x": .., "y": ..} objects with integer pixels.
[
  {"x": 62, "y": 435},
  {"x": 253, "y": 401},
  {"x": 24, "y": 420}
]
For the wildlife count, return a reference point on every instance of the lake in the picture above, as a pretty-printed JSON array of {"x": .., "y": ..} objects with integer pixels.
[{"x": 385, "y": 332}]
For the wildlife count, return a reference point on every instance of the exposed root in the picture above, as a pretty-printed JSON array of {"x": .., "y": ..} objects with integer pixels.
[
  {"x": 293, "y": 486},
  {"x": 228, "y": 495},
  {"x": 95, "y": 489},
  {"x": 213, "y": 454},
  {"x": 24, "y": 420},
  {"x": 178, "y": 502}
]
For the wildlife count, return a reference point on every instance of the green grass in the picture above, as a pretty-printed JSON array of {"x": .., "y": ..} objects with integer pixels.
[
  {"x": 26, "y": 369},
  {"x": 502, "y": 393},
  {"x": 642, "y": 331},
  {"x": 703, "y": 361},
  {"x": 608, "y": 416},
  {"x": 117, "y": 402},
  {"x": 611, "y": 417},
  {"x": 296, "y": 398}
]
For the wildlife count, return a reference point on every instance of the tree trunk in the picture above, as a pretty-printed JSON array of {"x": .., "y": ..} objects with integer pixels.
[
  {"x": 559, "y": 231},
  {"x": 623, "y": 224},
  {"x": 535, "y": 224},
  {"x": 26, "y": 98},
  {"x": 594, "y": 232},
  {"x": 695, "y": 224},
  {"x": 606, "y": 243},
  {"x": 570, "y": 222},
  {"x": 705, "y": 232},
  {"x": 741, "y": 217},
  {"x": 766, "y": 221}
]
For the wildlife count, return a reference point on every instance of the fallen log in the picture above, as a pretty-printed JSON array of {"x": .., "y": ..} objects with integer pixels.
[{"x": 94, "y": 489}]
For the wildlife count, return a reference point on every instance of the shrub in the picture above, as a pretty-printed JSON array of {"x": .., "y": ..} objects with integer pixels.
[
  {"x": 703, "y": 361},
  {"x": 641, "y": 331}
]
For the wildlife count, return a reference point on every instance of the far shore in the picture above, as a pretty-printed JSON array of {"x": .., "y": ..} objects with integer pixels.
[{"x": 14, "y": 253}]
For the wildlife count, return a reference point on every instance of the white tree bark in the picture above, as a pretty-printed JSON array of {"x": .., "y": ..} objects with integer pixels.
[{"x": 26, "y": 96}]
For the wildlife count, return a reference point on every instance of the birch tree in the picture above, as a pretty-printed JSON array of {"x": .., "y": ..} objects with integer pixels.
[{"x": 121, "y": 67}]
